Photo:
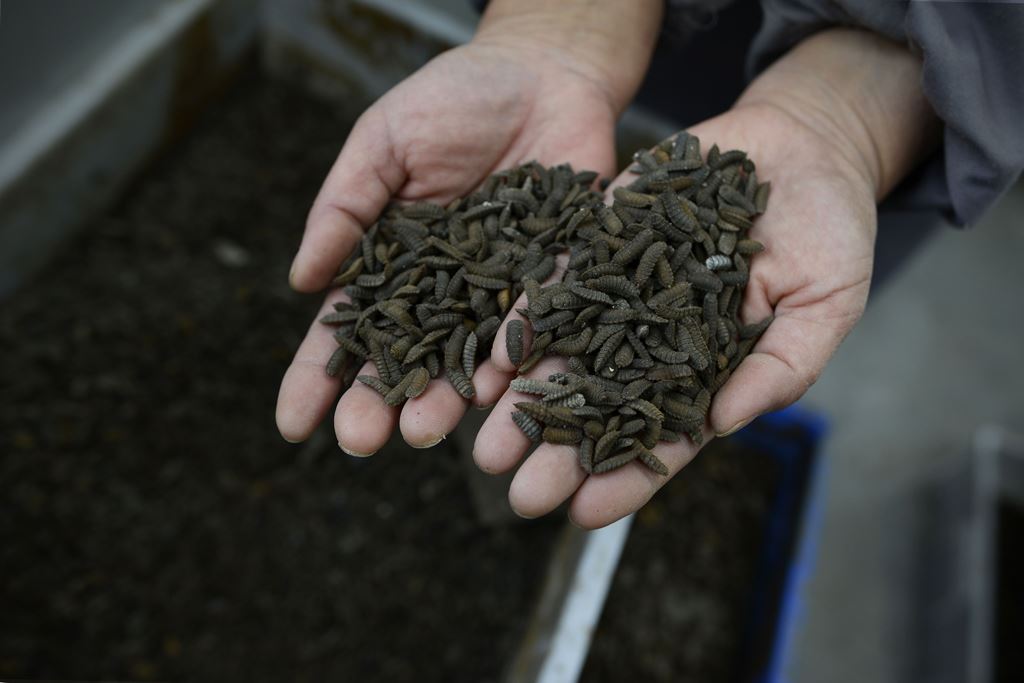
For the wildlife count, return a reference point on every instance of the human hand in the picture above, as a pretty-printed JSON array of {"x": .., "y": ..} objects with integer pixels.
[
  {"x": 814, "y": 274},
  {"x": 473, "y": 110}
]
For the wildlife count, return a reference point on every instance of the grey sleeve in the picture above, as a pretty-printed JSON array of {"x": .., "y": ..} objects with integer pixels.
[{"x": 973, "y": 58}]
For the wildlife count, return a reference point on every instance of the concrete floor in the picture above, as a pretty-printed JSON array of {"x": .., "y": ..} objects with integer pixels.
[{"x": 939, "y": 352}]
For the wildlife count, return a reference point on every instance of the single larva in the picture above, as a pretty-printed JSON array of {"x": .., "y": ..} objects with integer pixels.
[
  {"x": 572, "y": 345},
  {"x": 633, "y": 199},
  {"x": 652, "y": 461},
  {"x": 374, "y": 383},
  {"x": 486, "y": 330},
  {"x": 453, "y": 349},
  {"x": 748, "y": 247},
  {"x": 469, "y": 354},
  {"x": 337, "y": 361},
  {"x": 634, "y": 248},
  {"x": 514, "y": 341},
  {"x": 397, "y": 394},
  {"x": 528, "y": 425},
  {"x": 718, "y": 262},
  {"x": 461, "y": 382},
  {"x": 615, "y": 462},
  {"x": 618, "y": 285},
  {"x": 650, "y": 257},
  {"x": 562, "y": 435},
  {"x": 486, "y": 282},
  {"x": 552, "y": 321},
  {"x": 755, "y": 330},
  {"x": 418, "y": 382}
]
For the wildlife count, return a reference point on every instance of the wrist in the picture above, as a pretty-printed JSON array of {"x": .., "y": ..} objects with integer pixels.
[
  {"x": 858, "y": 99},
  {"x": 606, "y": 43}
]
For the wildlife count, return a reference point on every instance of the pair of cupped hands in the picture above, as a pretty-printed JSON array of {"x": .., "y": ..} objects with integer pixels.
[{"x": 480, "y": 108}]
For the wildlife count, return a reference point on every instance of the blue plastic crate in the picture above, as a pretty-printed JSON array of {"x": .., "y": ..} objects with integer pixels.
[{"x": 793, "y": 436}]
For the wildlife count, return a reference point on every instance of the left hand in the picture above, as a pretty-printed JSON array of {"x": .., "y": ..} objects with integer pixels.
[{"x": 818, "y": 232}]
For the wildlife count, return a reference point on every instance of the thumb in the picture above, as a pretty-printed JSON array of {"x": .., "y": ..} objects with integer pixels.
[
  {"x": 358, "y": 187},
  {"x": 783, "y": 365}
]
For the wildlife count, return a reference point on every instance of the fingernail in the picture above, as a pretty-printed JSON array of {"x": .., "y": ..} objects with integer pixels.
[
  {"x": 356, "y": 454},
  {"x": 429, "y": 444},
  {"x": 485, "y": 407},
  {"x": 291, "y": 275},
  {"x": 520, "y": 514},
  {"x": 736, "y": 427}
]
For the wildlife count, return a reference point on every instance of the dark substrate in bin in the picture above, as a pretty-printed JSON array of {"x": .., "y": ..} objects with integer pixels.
[
  {"x": 153, "y": 523},
  {"x": 679, "y": 607},
  {"x": 154, "y": 526}
]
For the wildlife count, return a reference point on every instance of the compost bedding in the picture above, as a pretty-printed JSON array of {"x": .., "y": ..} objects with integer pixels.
[{"x": 154, "y": 526}]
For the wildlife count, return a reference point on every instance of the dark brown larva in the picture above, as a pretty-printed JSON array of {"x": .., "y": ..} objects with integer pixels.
[
  {"x": 616, "y": 461},
  {"x": 337, "y": 361},
  {"x": 374, "y": 383},
  {"x": 646, "y": 313},
  {"x": 530, "y": 427},
  {"x": 653, "y": 462},
  {"x": 514, "y": 341},
  {"x": 562, "y": 435},
  {"x": 469, "y": 354},
  {"x": 417, "y": 382}
]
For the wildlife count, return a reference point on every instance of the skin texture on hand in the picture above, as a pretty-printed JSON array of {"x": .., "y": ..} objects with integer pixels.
[
  {"x": 472, "y": 111},
  {"x": 828, "y": 161}
]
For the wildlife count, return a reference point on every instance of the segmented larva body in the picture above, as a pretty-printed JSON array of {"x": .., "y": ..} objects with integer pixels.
[
  {"x": 653, "y": 462},
  {"x": 469, "y": 354},
  {"x": 530, "y": 427},
  {"x": 374, "y": 383},
  {"x": 417, "y": 382},
  {"x": 616, "y": 461},
  {"x": 717, "y": 262},
  {"x": 537, "y": 387},
  {"x": 461, "y": 382},
  {"x": 514, "y": 341},
  {"x": 562, "y": 435}
]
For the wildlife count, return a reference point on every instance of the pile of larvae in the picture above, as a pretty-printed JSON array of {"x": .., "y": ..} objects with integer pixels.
[
  {"x": 429, "y": 285},
  {"x": 647, "y": 312}
]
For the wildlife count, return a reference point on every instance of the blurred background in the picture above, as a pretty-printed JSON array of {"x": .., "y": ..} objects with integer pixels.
[{"x": 157, "y": 161}]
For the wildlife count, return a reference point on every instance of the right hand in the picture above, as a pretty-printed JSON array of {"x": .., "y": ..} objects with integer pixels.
[
  {"x": 834, "y": 125},
  {"x": 473, "y": 110}
]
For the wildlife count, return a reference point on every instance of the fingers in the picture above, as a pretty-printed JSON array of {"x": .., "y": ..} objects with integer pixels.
[
  {"x": 605, "y": 498},
  {"x": 490, "y": 383},
  {"x": 432, "y": 415},
  {"x": 358, "y": 187},
  {"x": 784, "y": 364},
  {"x": 499, "y": 350},
  {"x": 500, "y": 444},
  {"x": 307, "y": 391},
  {"x": 362, "y": 421},
  {"x": 548, "y": 477}
]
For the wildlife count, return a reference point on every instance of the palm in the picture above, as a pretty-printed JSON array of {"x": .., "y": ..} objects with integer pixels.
[
  {"x": 819, "y": 234},
  {"x": 473, "y": 111},
  {"x": 436, "y": 136}
]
